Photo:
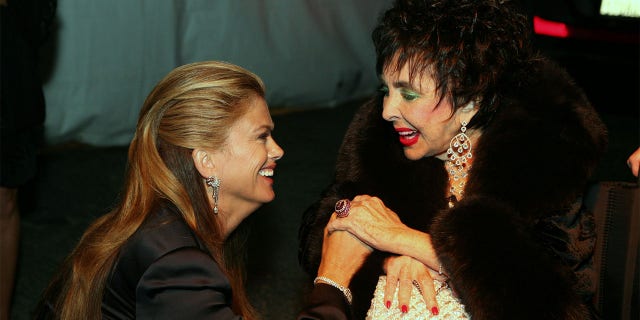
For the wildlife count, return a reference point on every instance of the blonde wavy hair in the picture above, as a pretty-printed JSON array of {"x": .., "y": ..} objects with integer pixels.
[{"x": 192, "y": 107}]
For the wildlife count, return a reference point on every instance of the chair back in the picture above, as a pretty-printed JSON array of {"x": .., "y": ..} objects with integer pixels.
[{"x": 616, "y": 209}]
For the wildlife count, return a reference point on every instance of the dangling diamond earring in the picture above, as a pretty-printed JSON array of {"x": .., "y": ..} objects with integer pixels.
[
  {"x": 214, "y": 183},
  {"x": 460, "y": 147}
]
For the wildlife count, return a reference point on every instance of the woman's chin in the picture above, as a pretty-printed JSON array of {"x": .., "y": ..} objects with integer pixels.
[
  {"x": 269, "y": 197},
  {"x": 413, "y": 154}
]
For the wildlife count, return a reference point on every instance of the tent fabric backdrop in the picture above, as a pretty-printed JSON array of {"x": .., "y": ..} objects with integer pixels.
[{"x": 110, "y": 54}]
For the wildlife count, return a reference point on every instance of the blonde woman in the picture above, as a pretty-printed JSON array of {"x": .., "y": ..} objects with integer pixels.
[{"x": 202, "y": 160}]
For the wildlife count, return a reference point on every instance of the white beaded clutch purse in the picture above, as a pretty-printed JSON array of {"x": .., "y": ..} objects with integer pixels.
[{"x": 449, "y": 306}]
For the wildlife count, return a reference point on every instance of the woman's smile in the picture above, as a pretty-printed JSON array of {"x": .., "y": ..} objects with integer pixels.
[
  {"x": 267, "y": 173},
  {"x": 408, "y": 137}
]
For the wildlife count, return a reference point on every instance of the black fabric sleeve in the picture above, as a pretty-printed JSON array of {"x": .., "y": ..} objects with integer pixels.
[
  {"x": 173, "y": 289},
  {"x": 325, "y": 302}
]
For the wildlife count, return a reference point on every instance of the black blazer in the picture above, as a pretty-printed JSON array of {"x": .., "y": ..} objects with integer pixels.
[{"x": 165, "y": 272}]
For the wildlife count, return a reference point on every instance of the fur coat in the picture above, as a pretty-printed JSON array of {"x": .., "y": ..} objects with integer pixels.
[{"x": 514, "y": 245}]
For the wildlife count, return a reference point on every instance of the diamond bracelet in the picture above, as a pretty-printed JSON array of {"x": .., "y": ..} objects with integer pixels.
[{"x": 345, "y": 291}]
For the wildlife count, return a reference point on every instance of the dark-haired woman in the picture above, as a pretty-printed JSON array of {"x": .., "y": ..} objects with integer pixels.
[{"x": 465, "y": 173}]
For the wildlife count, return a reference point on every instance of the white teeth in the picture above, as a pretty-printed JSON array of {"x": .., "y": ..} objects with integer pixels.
[
  {"x": 406, "y": 133},
  {"x": 266, "y": 172}
]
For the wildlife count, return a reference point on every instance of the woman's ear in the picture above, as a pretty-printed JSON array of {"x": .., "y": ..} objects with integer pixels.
[
  {"x": 466, "y": 113},
  {"x": 203, "y": 161},
  {"x": 471, "y": 106}
]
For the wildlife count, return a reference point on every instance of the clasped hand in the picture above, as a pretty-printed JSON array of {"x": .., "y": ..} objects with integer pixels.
[
  {"x": 379, "y": 227},
  {"x": 371, "y": 222},
  {"x": 342, "y": 255}
]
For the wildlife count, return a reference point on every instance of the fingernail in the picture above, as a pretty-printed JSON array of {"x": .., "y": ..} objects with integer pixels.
[
  {"x": 434, "y": 311},
  {"x": 405, "y": 309},
  {"x": 388, "y": 304}
]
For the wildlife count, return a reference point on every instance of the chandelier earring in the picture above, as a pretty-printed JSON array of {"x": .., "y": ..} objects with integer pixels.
[
  {"x": 459, "y": 151},
  {"x": 214, "y": 183}
]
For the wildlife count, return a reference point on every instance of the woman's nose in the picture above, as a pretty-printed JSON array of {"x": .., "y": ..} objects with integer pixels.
[
  {"x": 276, "y": 152},
  {"x": 389, "y": 108}
]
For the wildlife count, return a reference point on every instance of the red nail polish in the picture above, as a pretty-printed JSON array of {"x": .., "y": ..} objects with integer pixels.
[
  {"x": 405, "y": 309},
  {"x": 434, "y": 311},
  {"x": 388, "y": 304}
]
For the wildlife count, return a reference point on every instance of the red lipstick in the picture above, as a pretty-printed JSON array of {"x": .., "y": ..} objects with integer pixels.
[{"x": 408, "y": 137}]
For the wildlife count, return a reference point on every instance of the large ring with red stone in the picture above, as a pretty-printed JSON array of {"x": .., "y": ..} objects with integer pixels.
[{"x": 342, "y": 208}]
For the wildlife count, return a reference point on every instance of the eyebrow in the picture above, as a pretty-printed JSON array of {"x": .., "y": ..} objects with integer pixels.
[
  {"x": 404, "y": 85},
  {"x": 269, "y": 127},
  {"x": 401, "y": 85}
]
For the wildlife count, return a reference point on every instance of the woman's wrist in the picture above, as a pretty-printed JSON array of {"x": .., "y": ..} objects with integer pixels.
[
  {"x": 337, "y": 275},
  {"x": 340, "y": 274},
  {"x": 417, "y": 244}
]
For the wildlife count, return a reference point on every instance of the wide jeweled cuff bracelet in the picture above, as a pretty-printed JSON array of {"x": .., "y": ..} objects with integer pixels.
[{"x": 345, "y": 291}]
